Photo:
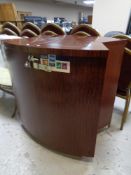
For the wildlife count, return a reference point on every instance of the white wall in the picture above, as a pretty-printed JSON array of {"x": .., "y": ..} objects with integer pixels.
[
  {"x": 50, "y": 10},
  {"x": 111, "y": 15}
]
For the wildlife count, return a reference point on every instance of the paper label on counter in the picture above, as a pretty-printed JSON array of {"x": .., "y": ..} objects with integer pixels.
[
  {"x": 62, "y": 66},
  {"x": 45, "y": 68},
  {"x": 50, "y": 63}
]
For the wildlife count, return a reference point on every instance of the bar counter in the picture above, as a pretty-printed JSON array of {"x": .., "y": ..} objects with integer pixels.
[{"x": 65, "y": 88}]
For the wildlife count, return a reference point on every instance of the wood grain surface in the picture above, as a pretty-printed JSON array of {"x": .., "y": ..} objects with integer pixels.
[{"x": 65, "y": 111}]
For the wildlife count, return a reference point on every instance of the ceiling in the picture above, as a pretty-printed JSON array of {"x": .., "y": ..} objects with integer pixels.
[{"x": 75, "y": 2}]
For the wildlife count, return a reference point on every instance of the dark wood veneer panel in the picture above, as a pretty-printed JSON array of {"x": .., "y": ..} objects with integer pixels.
[
  {"x": 65, "y": 111},
  {"x": 111, "y": 81}
]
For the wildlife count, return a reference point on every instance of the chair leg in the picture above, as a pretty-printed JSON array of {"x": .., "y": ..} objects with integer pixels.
[
  {"x": 11, "y": 93},
  {"x": 14, "y": 112},
  {"x": 125, "y": 113}
]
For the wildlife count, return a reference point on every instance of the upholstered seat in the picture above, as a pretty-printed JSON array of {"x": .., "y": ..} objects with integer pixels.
[
  {"x": 12, "y": 27},
  {"x": 34, "y": 28},
  {"x": 85, "y": 28},
  {"x": 54, "y": 28}
]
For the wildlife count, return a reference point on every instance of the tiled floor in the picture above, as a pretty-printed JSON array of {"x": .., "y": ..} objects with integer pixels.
[{"x": 20, "y": 155}]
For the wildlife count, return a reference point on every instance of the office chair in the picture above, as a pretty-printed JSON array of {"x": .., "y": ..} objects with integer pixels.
[
  {"x": 54, "y": 28},
  {"x": 28, "y": 33},
  {"x": 6, "y": 85},
  {"x": 8, "y": 31},
  {"x": 34, "y": 28},
  {"x": 113, "y": 33},
  {"x": 12, "y": 27},
  {"x": 124, "y": 83},
  {"x": 85, "y": 28}
]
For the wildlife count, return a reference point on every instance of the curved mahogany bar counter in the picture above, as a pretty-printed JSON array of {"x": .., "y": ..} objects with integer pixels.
[{"x": 64, "y": 111}]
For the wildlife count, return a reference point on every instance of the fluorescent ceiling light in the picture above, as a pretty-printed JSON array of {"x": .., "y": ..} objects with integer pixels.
[{"x": 89, "y": 2}]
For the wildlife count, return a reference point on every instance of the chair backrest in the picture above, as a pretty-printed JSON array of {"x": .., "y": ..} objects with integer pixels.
[
  {"x": 12, "y": 27},
  {"x": 113, "y": 33},
  {"x": 85, "y": 28},
  {"x": 9, "y": 32},
  {"x": 32, "y": 27},
  {"x": 49, "y": 33},
  {"x": 81, "y": 33},
  {"x": 28, "y": 33},
  {"x": 122, "y": 36},
  {"x": 54, "y": 28},
  {"x": 125, "y": 74}
]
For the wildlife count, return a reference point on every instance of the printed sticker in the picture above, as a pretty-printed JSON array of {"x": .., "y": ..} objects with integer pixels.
[
  {"x": 44, "y": 67},
  {"x": 35, "y": 65},
  {"x": 51, "y": 64},
  {"x": 44, "y": 62},
  {"x": 48, "y": 63},
  {"x": 44, "y": 56},
  {"x": 52, "y": 58},
  {"x": 58, "y": 65},
  {"x": 64, "y": 66}
]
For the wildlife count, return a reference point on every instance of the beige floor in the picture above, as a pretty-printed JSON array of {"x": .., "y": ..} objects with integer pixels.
[{"x": 20, "y": 155}]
